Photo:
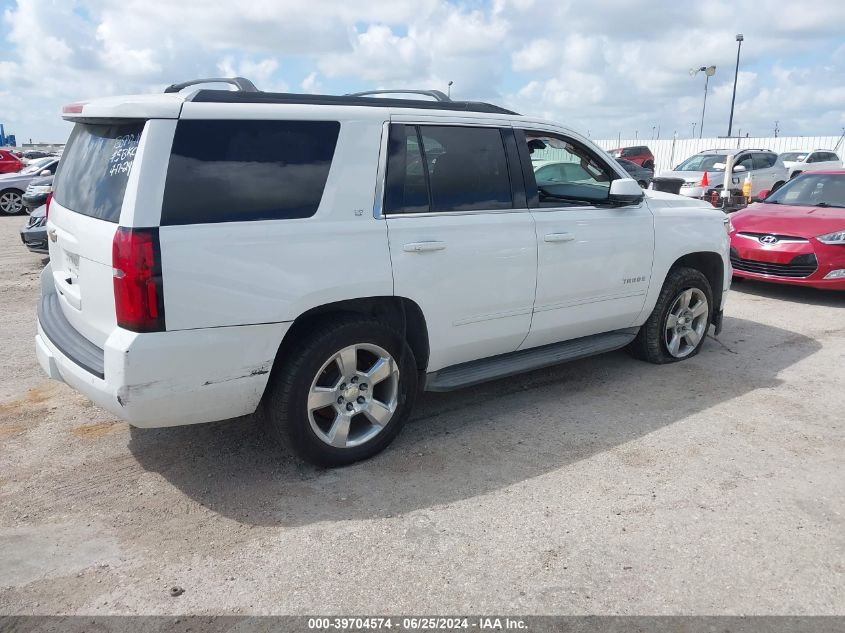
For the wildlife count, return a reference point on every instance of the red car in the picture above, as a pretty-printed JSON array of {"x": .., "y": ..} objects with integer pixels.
[
  {"x": 796, "y": 235},
  {"x": 9, "y": 163},
  {"x": 639, "y": 154}
]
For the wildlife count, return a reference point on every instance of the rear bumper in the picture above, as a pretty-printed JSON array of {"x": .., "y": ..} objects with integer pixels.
[{"x": 167, "y": 378}]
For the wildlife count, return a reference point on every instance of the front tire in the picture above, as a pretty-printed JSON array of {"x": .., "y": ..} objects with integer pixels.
[
  {"x": 343, "y": 392},
  {"x": 679, "y": 322}
]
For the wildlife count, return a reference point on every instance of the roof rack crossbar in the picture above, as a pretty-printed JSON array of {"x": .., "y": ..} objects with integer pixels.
[
  {"x": 242, "y": 84},
  {"x": 438, "y": 96}
]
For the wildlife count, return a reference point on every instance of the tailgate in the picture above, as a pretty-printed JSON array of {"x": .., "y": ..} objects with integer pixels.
[{"x": 90, "y": 186}]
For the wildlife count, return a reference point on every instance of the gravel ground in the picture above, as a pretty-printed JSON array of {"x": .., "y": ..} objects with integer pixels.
[{"x": 603, "y": 486}]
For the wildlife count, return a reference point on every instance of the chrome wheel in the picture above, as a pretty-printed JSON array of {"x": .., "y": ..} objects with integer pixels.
[
  {"x": 354, "y": 395},
  {"x": 11, "y": 202},
  {"x": 686, "y": 323}
]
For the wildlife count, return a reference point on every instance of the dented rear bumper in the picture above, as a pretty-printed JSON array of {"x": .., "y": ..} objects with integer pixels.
[{"x": 170, "y": 378}]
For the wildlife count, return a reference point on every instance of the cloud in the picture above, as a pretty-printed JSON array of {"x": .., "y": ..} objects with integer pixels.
[{"x": 609, "y": 66}]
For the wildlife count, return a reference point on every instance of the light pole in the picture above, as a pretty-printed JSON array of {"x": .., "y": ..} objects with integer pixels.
[
  {"x": 449, "y": 89},
  {"x": 693, "y": 129},
  {"x": 708, "y": 71},
  {"x": 739, "y": 39}
]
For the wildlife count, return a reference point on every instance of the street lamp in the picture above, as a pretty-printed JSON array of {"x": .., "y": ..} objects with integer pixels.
[
  {"x": 739, "y": 39},
  {"x": 708, "y": 71},
  {"x": 449, "y": 89}
]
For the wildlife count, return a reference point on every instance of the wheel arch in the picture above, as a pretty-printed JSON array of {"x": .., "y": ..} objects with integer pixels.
[
  {"x": 401, "y": 313},
  {"x": 711, "y": 265}
]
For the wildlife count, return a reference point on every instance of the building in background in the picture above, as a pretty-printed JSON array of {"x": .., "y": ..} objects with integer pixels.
[{"x": 6, "y": 141}]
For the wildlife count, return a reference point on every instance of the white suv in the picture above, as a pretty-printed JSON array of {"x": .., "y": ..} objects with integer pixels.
[
  {"x": 799, "y": 161},
  {"x": 324, "y": 258},
  {"x": 765, "y": 168}
]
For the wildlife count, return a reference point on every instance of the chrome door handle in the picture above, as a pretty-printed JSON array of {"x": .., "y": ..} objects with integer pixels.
[
  {"x": 559, "y": 237},
  {"x": 423, "y": 247}
]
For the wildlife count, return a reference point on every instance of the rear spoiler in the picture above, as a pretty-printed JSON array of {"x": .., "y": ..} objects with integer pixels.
[{"x": 151, "y": 106}]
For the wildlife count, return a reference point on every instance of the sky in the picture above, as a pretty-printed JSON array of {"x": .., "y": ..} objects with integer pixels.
[{"x": 604, "y": 67}]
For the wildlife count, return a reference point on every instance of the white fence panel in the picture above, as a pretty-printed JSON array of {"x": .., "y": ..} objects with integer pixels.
[{"x": 670, "y": 152}]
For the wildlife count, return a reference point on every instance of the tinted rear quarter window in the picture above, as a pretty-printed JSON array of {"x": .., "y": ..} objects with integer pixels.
[
  {"x": 94, "y": 168},
  {"x": 232, "y": 171}
]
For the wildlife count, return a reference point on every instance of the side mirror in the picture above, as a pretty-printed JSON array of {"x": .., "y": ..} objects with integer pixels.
[
  {"x": 739, "y": 168},
  {"x": 625, "y": 191},
  {"x": 46, "y": 172},
  {"x": 764, "y": 193}
]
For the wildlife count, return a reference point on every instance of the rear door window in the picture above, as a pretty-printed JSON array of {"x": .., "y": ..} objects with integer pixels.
[
  {"x": 468, "y": 169},
  {"x": 446, "y": 168},
  {"x": 94, "y": 168},
  {"x": 233, "y": 171},
  {"x": 406, "y": 189},
  {"x": 764, "y": 160}
]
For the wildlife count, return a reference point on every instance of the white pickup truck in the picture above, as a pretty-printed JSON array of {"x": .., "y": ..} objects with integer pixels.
[{"x": 325, "y": 258}]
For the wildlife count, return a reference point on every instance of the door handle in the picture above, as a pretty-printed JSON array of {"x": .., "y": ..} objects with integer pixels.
[
  {"x": 559, "y": 237},
  {"x": 423, "y": 247}
]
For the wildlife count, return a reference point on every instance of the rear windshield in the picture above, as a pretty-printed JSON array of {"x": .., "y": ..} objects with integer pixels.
[
  {"x": 232, "y": 171},
  {"x": 94, "y": 168}
]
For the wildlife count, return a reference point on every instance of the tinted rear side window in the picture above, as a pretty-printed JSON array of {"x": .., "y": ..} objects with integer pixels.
[
  {"x": 92, "y": 174},
  {"x": 464, "y": 169},
  {"x": 470, "y": 170},
  {"x": 232, "y": 171}
]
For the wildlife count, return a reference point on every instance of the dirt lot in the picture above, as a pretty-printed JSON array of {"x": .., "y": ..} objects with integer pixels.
[{"x": 602, "y": 486}]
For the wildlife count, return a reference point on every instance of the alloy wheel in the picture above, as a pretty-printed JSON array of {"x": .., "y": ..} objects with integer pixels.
[
  {"x": 686, "y": 322},
  {"x": 11, "y": 202},
  {"x": 354, "y": 395}
]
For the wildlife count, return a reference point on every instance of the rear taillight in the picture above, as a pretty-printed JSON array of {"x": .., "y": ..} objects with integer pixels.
[
  {"x": 138, "y": 293},
  {"x": 47, "y": 206}
]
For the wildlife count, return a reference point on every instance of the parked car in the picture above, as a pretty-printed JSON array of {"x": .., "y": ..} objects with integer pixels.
[
  {"x": 230, "y": 262},
  {"x": 32, "y": 154},
  {"x": 796, "y": 235},
  {"x": 550, "y": 172},
  {"x": 34, "y": 232},
  {"x": 9, "y": 163},
  {"x": 12, "y": 186},
  {"x": 642, "y": 175},
  {"x": 799, "y": 161},
  {"x": 640, "y": 155},
  {"x": 36, "y": 193},
  {"x": 765, "y": 167}
]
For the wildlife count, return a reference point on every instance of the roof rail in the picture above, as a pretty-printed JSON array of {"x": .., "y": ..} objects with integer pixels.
[
  {"x": 236, "y": 96},
  {"x": 438, "y": 96},
  {"x": 244, "y": 85}
]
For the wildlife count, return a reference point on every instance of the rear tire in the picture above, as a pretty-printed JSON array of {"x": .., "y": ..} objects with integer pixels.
[
  {"x": 776, "y": 186},
  {"x": 310, "y": 401},
  {"x": 11, "y": 201},
  {"x": 678, "y": 325},
  {"x": 795, "y": 174},
  {"x": 649, "y": 164}
]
